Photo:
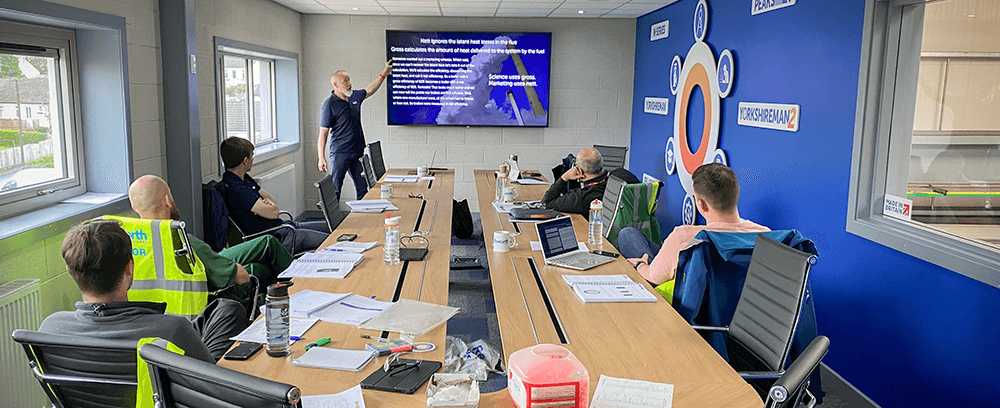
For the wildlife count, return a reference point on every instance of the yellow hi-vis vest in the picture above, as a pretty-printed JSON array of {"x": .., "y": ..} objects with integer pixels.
[
  {"x": 144, "y": 395},
  {"x": 161, "y": 274}
]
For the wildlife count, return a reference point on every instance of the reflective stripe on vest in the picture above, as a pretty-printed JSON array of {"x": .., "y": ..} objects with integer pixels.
[
  {"x": 144, "y": 391},
  {"x": 157, "y": 277}
]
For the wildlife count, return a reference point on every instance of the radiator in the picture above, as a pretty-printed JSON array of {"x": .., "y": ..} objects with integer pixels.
[
  {"x": 281, "y": 183},
  {"x": 20, "y": 308}
]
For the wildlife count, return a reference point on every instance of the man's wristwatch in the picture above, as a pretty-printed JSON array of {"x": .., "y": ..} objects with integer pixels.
[{"x": 636, "y": 266}]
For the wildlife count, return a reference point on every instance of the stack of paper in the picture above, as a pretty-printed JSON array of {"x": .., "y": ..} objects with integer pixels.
[
  {"x": 351, "y": 398},
  {"x": 608, "y": 288},
  {"x": 614, "y": 392},
  {"x": 350, "y": 246},
  {"x": 336, "y": 359},
  {"x": 325, "y": 264},
  {"x": 257, "y": 332},
  {"x": 401, "y": 179},
  {"x": 344, "y": 308},
  {"x": 371, "y": 206}
]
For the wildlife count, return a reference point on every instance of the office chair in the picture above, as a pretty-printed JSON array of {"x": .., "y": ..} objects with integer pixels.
[
  {"x": 240, "y": 234},
  {"x": 636, "y": 208},
  {"x": 791, "y": 389},
  {"x": 612, "y": 195},
  {"x": 614, "y": 156},
  {"x": 181, "y": 381},
  {"x": 366, "y": 167},
  {"x": 83, "y": 372},
  {"x": 760, "y": 336},
  {"x": 375, "y": 153},
  {"x": 329, "y": 203}
]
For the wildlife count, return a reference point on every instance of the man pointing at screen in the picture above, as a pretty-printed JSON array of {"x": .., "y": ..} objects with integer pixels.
[{"x": 341, "y": 142}]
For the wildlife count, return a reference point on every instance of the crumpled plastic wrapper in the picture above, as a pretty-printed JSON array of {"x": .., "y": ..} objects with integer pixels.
[
  {"x": 452, "y": 390},
  {"x": 476, "y": 358}
]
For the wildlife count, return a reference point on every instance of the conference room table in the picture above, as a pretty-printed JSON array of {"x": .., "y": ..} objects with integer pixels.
[{"x": 637, "y": 341}]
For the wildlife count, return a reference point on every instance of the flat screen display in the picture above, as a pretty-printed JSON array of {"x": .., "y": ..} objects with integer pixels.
[{"x": 468, "y": 78}]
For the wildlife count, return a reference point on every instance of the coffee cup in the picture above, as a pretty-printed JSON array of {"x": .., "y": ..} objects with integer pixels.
[
  {"x": 503, "y": 241},
  {"x": 386, "y": 190},
  {"x": 421, "y": 171},
  {"x": 509, "y": 195}
]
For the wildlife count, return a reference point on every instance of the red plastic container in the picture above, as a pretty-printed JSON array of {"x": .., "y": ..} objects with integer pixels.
[{"x": 547, "y": 375}]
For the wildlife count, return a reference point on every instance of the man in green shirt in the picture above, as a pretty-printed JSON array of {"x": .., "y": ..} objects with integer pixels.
[{"x": 229, "y": 269}]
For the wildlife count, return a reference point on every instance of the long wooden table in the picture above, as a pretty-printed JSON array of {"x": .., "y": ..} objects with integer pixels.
[
  {"x": 641, "y": 341},
  {"x": 426, "y": 281}
]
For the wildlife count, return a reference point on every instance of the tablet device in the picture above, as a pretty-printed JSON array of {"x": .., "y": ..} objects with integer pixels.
[{"x": 405, "y": 377}]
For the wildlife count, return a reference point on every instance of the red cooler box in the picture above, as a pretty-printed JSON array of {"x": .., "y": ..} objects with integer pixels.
[{"x": 546, "y": 376}]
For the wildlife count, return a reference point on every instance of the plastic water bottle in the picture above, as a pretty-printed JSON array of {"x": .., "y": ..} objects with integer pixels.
[
  {"x": 501, "y": 184},
  {"x": 391, "y": 244},
  {"x": 596, "y": 223},
  {"x": 276, "y": 319}
]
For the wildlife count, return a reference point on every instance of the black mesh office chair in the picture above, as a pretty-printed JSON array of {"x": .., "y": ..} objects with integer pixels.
[
  {"x": 375, "y": 153},
  {"x": 366, "y": 167},
  {"x": 763, "y": 326},
  {"x": 790, "y": 390},
  {"x": 240, "y": 235},
  {"x": 614, "y": 156},
  {"x": 79, "y": 371},
  {"x": 329, "y": 203},
  {"x": 612, "y": 193},
  {"x": 181, "y": 381}
]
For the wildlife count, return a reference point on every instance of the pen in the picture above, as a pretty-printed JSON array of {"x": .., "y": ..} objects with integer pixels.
[
  {"x": 400, "y": 349},
  {"x": 294, "y": 338},
  {"x": 334, "y": 250},
  {"x": 318, "y": 343}
]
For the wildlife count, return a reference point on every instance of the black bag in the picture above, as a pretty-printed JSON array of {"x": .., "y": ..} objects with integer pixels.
[
  {"x": 533, "y": 214},
  {"x": 461, "y": 219},
  {"x": 215, "y": 217}
]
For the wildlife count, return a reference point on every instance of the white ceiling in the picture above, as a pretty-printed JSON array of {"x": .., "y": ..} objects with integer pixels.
[{"x": 480, "y": 8}]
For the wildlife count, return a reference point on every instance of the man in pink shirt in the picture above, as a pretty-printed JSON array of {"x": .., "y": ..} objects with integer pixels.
[{"x": 716, "y": 194}]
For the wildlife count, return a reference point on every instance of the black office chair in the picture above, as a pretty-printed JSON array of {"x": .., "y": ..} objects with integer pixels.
[
  {"x": 366, "y": 167},
  {"x": 238, "y": 233},
  {"x": 614, "y": 156},
  {"x": 329, "y": 203},
  {"x": 763, "y": 326},
  {"x": 79, "y": 371},
  {"x": 375, "y": 153},
  {"x": 790, "y": 391},
  {"x": 612, "y": 193},
  {"x": 181, "y": 381}
]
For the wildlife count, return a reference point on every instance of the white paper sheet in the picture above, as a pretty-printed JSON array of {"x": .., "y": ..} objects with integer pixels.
[
  {"x": 352, "y": 309},
  {"x": 323, "y": 264},
  {"x": 334, "y": 358},
  {"x": 527, "y": 181},
  {"x": 351, "y": 398},
  {"x": 504, "y": 208},
  {"x": 537, "y": 246},
  {"x": 350, "y": 246},
  {"x": 401, "y": 179},
  {"x": 373, "y": 206},
  {"x": 614, "y": 392},
  {"x": 257, "y": 332}
]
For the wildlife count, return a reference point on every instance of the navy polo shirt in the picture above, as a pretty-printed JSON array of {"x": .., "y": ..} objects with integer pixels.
[
  {"x": 243, "y": 194},
  {"x": 344, "y": 120}
]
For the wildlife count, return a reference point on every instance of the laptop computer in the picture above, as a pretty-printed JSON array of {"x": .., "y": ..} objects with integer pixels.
[
  {"x": 514, "y": 172},
  {"x": 560, "y": 247}
]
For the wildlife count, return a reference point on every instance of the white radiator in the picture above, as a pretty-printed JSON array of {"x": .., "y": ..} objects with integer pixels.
[
  {"x": 281, "y": 183},
  {"x": 20, "y": 308}
]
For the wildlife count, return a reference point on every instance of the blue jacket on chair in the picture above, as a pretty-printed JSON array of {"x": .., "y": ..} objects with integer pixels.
[{"x": 709, "y": 282}]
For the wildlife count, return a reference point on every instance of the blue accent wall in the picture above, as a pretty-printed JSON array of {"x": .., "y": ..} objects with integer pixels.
[{"x": 905, "y": 332}]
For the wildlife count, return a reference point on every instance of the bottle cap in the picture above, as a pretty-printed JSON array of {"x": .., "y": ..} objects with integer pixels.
[
  {"x": 279, "y": 289},
  {"x": 501, "y": 175},
  {"x": 391, "y": 221},
  {"x": 596, "y": 205}
]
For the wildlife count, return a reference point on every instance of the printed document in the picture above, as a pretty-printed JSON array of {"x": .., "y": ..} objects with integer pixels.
[
  {"x": 336, "y": 359},
  {"x": 350, "y": 246},
  {"x": 401, "y": 179},
  {"x": 257, "y": 332},
  {"x": 608, "y": 288},
  {"x": 614, "y": 392},
  {"x": 323, "y": 264},
  {"x": 371, "y": 206},
  {"x": 351, "y": 398}
]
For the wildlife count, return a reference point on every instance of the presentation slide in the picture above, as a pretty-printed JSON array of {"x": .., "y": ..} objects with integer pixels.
[{"x": 468, "y": 79}]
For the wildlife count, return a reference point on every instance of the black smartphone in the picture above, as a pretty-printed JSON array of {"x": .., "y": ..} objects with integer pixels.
[
  {"x": 244, "y": 351},
  {"x": 347, "y": 237},
  {"x": 608, "y": 254}
]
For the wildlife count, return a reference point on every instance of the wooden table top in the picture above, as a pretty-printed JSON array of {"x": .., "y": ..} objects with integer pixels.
[
  {"x": 374, "y": 278},
  {"x": 640, "y": 341}
]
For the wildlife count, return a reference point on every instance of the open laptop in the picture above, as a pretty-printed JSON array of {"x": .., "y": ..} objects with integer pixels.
[
  {"x": 514, "y": 172},
  {"x": 560, "y": 247}
]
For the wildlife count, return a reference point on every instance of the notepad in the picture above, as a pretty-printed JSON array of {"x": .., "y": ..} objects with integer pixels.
[
  {"x": 351, "y": 398},
  {"x": 327, "y": 264},
  {"x": 614, "y": 392},
  {"x": 401, "y": 179},
  {"x": 608, "y": 288},
  {"x": 343, "y": 308},
  {"x": 335, "y": 359},
  {"x": 257, "y": 332},
  {"x": 350, "y": 246}
]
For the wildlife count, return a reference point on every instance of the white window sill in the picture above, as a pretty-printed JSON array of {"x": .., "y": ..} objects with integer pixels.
[
  {"x": 274, "y": 149},
  {"x": 39, "y": 225}
]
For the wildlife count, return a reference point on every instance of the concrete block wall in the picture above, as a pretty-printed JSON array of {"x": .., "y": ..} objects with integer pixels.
[{"x": 590, "y": 93}]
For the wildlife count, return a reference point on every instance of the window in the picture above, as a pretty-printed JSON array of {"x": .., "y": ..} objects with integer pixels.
[
  {"x": 248, "y": 105},
  {"x": 39, "y": 141},
  {"x": 929, "y": 133},
  {"x": 258, "y": 96}
]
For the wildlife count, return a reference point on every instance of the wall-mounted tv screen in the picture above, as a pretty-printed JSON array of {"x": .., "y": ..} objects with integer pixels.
[{"x": 468, "y": 78}]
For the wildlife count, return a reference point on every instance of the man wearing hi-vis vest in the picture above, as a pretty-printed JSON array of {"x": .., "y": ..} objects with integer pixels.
[{"x": 98, "y": 255}]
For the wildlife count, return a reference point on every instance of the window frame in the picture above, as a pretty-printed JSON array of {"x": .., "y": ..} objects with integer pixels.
[
  {"x": 62, "y": 42},
  {"x": 887, "y": 85},
  {"x": 251, "y": 115}
]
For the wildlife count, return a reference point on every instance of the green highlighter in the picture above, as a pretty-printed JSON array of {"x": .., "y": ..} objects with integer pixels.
[{"x": 319, "y": 342}]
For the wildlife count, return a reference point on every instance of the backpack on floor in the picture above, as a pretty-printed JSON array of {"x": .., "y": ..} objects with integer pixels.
[{"x": 461, "y": 219}]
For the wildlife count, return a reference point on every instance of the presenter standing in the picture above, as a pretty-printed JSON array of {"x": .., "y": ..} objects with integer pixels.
[{"x": 341, "y": 142}]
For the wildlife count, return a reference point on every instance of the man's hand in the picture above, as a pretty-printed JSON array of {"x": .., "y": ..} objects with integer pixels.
[
  {"x": 574, "y": 173},
  {"x": 242, "y": 277},
  {"x": 634, "y": 261},
  {"x": 321, "y": 164},
  {"x": 388, "y": 68}
]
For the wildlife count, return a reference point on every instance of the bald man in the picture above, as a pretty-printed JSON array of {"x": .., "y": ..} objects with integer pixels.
[
  {"x": 341, "y": 138},
  {"x": 265, "y": 256},
  {"x": 588, "y": 169}
]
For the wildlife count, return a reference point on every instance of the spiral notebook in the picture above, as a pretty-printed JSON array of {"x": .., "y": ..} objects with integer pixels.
[
  {"x": 326, "y": 264},
  {"x": 608, "y": 288}
]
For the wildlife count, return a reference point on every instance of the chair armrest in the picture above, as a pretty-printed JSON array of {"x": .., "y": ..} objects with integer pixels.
[
  {"x": 760, "y": 375},
  {"x": 798, "y": 373},
  {"x": 710, "y": 328},
  {"x": 283, "y": 212},
  {"x": 266, "y": 232}
]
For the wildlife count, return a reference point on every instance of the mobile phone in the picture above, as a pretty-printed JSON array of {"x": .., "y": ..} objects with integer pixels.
[
  {"x": 244, "y": 351},
  {"x": 347, "y": 237},
  {"x": 608, "y": 254}
]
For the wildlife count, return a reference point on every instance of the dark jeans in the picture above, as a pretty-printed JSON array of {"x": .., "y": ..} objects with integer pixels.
[
  {"x": 306, "y": 236},
  {"x": 340, "y": 164},
  {"x": 221, "y": 319},
  {"x": 632, "y": 243}
]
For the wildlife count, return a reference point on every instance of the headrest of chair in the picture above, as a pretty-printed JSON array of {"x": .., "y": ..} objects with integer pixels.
[{"x": 77, "y": 342}]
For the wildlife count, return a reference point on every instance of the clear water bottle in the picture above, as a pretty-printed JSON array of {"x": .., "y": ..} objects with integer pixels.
[
  {"x": 501, "y": 184},
  {"x": 276, "y": 319},
  {"x": 391, "y": 245},
  {"x": 596, "y": 223}
]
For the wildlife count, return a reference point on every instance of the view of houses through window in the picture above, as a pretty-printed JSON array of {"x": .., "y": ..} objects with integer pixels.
[{"x": 248, "y": 98}]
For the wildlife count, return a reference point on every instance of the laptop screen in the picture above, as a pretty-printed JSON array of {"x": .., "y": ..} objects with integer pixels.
[{"x": 557, "y": 237}]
